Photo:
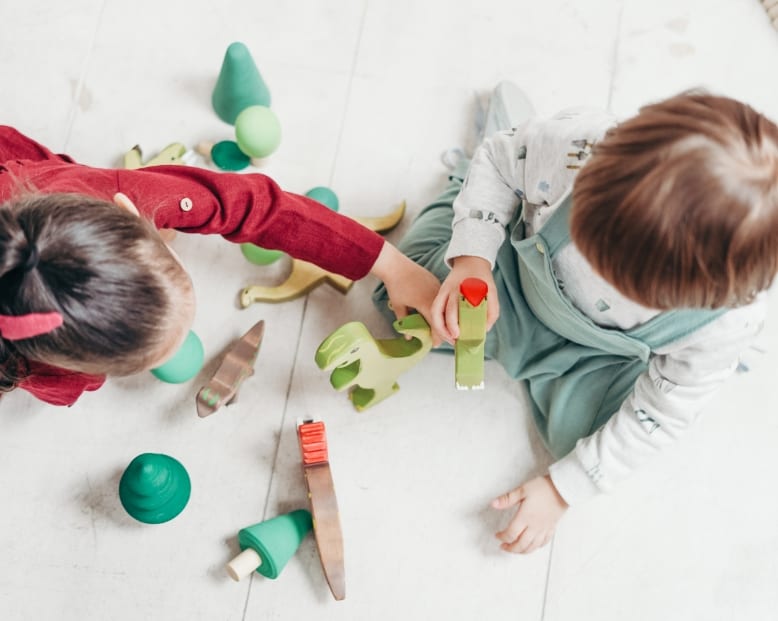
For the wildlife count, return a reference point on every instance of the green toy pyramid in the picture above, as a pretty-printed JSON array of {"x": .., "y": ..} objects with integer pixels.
[
  {"x": 154, "y": 488},
  {"x": 276, "y": 540},
  {"x": 239, "y": 85}
]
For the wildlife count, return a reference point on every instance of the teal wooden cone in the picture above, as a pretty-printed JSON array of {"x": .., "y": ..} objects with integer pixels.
[
  {"x": 154, "y": 488},
  {"x": 276, "y": 540},
  {"x": 239, "y": 85}
]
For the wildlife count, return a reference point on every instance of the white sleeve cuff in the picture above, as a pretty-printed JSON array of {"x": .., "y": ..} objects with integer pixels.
[
  {"x": 571, "y": 480},
  {"x": 475, "y": 238}
]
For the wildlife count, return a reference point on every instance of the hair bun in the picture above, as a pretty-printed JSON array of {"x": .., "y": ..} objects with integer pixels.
[
  {"x": 16, "y": 250},
  {"x": 33, "y": 256}
]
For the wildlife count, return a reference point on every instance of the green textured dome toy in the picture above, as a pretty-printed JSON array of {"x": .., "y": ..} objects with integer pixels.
[{"x": 154, "y": 488}]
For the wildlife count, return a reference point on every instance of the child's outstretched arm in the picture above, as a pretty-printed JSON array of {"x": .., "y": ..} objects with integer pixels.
[{"x": 252, "y": 208}]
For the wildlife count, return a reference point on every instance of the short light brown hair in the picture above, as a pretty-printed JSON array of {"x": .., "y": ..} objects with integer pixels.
[{"x": 678, "y": 206}]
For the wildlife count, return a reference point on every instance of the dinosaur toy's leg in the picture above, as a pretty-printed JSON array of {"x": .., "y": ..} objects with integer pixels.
[{"x": 363, "y": 398}]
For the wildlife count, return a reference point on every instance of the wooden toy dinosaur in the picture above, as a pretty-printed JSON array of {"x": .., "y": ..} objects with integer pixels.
[
  {"x": 303, "y": 278},
  {"x": 171, "y": 154},
  {"x": 368, "y": 366},
  {"x": 306, "y": 276},
  {"x": 312, "y": 437},
  {"x": 237, "y": 365}
]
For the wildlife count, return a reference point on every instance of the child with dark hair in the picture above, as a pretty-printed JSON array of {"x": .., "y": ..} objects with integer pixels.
[
  {"x": 88, "y": 288},
  {"x": 626, "y": 267}
]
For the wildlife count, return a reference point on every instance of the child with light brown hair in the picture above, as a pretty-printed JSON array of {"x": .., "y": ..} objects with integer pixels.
[{"x": 626, "y": 266}]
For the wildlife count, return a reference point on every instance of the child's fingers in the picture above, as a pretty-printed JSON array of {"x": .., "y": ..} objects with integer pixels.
[
  {"x": 122, "y": 200},
  {"x": 436, "y": 316},
  {"x": 511, "y": 533},
  {"x": 509, "y": 499},
  {"x": 437, "y": 337},
  {"x": 399, "y": 310},
  {"x": 452, "y": 317},
  {"x": 492, "y": 312},
  {"x": 527, "y": 542}
]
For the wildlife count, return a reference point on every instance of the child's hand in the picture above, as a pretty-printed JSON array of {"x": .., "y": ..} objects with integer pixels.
[
  {"x": 539, "y": 509},
  {"x": 408, "y": 285},
  {"x": 445, "y": 308}
]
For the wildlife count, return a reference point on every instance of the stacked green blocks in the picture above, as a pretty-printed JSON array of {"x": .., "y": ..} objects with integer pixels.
[{"x": 241, "y": 98}]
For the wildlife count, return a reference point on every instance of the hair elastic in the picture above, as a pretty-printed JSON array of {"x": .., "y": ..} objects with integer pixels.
[{"x": 18, "y": 327}]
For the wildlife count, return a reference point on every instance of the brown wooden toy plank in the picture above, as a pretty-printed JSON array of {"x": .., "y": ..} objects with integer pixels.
[
  {"x": 312, "y": 437},
  {"x": 326, "y": 527}
]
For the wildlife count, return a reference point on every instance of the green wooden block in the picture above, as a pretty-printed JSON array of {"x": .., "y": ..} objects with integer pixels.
[{"x": 469, "y": 348}]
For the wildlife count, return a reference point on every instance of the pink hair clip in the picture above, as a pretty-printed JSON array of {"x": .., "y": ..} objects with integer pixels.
[{"x": 18, "y": 327}]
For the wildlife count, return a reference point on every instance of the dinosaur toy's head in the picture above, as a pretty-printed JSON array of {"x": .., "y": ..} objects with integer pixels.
[{"x": 342, "y": 347}]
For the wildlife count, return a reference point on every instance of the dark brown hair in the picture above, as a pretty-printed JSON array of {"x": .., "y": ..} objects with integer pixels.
[
  {"x": 106, "y": 271},
  {"x": 678, "y": 206}
]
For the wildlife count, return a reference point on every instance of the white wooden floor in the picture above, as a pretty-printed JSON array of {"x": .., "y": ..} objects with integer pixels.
[{"x": 369, "y": 92}]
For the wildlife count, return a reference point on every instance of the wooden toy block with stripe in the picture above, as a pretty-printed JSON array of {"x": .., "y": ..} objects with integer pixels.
[
  {"x": 312, "y": 437},
  {"x": 469, "y": 348}
]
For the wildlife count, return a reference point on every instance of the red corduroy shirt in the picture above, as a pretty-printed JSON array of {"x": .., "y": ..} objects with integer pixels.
[{"x": 240, "y": 207}]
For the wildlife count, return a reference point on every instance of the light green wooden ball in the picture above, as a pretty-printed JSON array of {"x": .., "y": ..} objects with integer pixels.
[{"x": 257, "y": 131}]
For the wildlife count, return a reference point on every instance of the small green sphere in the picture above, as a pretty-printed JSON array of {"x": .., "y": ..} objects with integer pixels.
[
  {"x": 186, "y": 363},
  {"x": 260, "y": 256},
  {"x": 257, "y": 131},
  {"x": 228, "y": 156},
  {"x": 325, "y": 196}
]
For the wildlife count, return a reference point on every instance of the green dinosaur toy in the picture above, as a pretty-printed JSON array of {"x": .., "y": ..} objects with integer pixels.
[{"x": 369, "y": 366}]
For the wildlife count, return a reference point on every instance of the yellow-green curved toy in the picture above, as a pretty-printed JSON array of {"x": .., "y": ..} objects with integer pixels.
[
  {"x": 369, "y": 366},
  {"x": 171, "y": 154},
  {"x": 305, "y": 276}
]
